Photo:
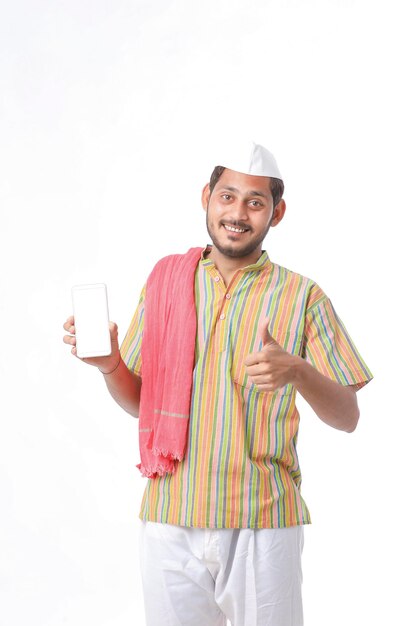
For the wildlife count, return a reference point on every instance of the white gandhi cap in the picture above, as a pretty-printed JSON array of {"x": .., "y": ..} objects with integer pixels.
[{"x": 251, "y": 159}]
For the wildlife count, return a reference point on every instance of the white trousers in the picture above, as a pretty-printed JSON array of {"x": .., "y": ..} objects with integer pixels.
[{"x": 204, "y": 577}]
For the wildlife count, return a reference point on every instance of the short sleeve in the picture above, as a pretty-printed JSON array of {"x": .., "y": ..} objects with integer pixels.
[
  {"x": 328, "y": 346},
  {"x": 130, "y": 348}
]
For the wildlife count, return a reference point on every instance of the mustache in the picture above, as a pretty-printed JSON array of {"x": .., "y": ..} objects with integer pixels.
[{"x": 237, "y": 224}]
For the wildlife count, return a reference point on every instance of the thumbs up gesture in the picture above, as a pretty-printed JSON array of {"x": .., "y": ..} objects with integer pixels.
[{"x": 272, "y": 367}]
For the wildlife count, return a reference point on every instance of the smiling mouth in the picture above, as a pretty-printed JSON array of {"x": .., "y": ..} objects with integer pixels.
[{"x": 235, "y": 229}]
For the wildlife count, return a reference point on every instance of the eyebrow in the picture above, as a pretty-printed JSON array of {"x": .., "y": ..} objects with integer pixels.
[{"x": 254, "y": 192}]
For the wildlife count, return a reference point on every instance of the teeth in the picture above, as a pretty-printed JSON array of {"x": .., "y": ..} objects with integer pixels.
[{"x": 234, "y": 230}]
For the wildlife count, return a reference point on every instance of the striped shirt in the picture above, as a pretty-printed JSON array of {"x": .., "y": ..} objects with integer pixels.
[{"x": 241, "y": 468}]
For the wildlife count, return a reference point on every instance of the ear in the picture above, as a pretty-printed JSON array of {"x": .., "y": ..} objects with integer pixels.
[
  {"x": 205, "y": 196},
  {"x": 279, "y": 212}
]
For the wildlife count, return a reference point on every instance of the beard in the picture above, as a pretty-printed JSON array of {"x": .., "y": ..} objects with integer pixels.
[{"x": 233, "y": 251}]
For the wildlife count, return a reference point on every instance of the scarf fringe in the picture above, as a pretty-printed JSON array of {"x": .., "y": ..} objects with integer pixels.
[
  {"x": 161, "y": 469},
  {"x": 171, "y": 456},
  {"x": 157, "y": 470}
]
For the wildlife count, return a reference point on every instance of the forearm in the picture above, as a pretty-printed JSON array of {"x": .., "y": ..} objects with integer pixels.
[
  {"x": 124, "y": 386},
  {"x": 332, "y": 402}
]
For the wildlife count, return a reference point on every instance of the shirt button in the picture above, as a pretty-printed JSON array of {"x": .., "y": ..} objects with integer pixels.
[
  {"x": 217, "y": 278},
  {"x": 222, "y": 316},
  {"x": 228, "y": 296}
]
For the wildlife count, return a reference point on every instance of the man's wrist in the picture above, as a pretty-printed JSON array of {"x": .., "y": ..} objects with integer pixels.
[
  {"x": 297, "y": 370},
  {"x": 113, "y": 369}
]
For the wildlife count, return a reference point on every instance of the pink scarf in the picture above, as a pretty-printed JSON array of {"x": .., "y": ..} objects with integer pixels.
[{"x": 168, "y": 347}]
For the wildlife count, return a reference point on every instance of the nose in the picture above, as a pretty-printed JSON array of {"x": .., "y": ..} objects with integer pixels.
[{"x": 239, "y": 210}]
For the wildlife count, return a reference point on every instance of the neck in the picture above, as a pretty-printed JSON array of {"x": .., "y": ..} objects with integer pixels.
[{"x": 228, "y": 266}]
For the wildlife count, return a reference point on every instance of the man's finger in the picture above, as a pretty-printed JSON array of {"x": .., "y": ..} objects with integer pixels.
[
  {"x": 69, "y": 324},
  {"x": 113, "y": 330},
  {"x": 266, "y": 338},
  {"x": 257, "y": 369},
  {"x": 254, "y": 358}
]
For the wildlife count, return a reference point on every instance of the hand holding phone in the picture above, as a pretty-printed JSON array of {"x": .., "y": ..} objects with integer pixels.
[
  {"x": 90, "y": 306},
  {"x": 91, "y": 320}
]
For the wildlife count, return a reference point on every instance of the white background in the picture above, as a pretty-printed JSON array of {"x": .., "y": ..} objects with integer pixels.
[{"x": 110, "y": 115}]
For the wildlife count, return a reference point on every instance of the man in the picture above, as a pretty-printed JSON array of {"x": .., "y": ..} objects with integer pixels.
[{"x": 223, "y": 339}]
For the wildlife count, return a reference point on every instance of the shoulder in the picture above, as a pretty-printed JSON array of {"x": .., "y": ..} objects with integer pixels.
[
  {"x": 299, "y": 285},
  {"x": 173, "y": 260},
  {"x": 286, "y": 276},
  {"x": 175, "y": 266}
]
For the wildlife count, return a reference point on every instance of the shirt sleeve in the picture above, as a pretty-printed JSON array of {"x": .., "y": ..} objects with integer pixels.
[
  {"x": 328, "y": 346},
  {"x": 130, "y": 349}
]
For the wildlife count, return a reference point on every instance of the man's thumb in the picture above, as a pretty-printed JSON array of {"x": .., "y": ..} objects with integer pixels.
[{"x": 265, "y": 336}]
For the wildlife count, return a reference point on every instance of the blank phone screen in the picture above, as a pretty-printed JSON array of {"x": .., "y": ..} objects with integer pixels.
[{"x": 91, "y": 320}]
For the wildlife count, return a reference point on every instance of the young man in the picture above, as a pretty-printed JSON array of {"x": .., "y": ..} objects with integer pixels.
[{"x": 221, "y": 341}]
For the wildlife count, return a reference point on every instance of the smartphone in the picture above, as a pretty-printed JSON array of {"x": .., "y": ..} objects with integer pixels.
[{"x": 91, "y": 320}]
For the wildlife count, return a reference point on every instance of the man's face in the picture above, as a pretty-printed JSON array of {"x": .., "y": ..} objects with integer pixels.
[{"x": 240, "y": 213}]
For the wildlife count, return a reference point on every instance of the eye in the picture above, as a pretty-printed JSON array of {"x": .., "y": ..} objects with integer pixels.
[
  {"x": 255, "y": 203},
  {"x": 226, "y": 196}
]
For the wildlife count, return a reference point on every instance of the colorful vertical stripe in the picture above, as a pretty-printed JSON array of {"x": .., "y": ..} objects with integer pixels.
[{"x": 241, "y": 468}]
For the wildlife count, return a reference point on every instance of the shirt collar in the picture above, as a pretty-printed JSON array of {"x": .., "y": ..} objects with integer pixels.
[{"x": 261, "y": 264}]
